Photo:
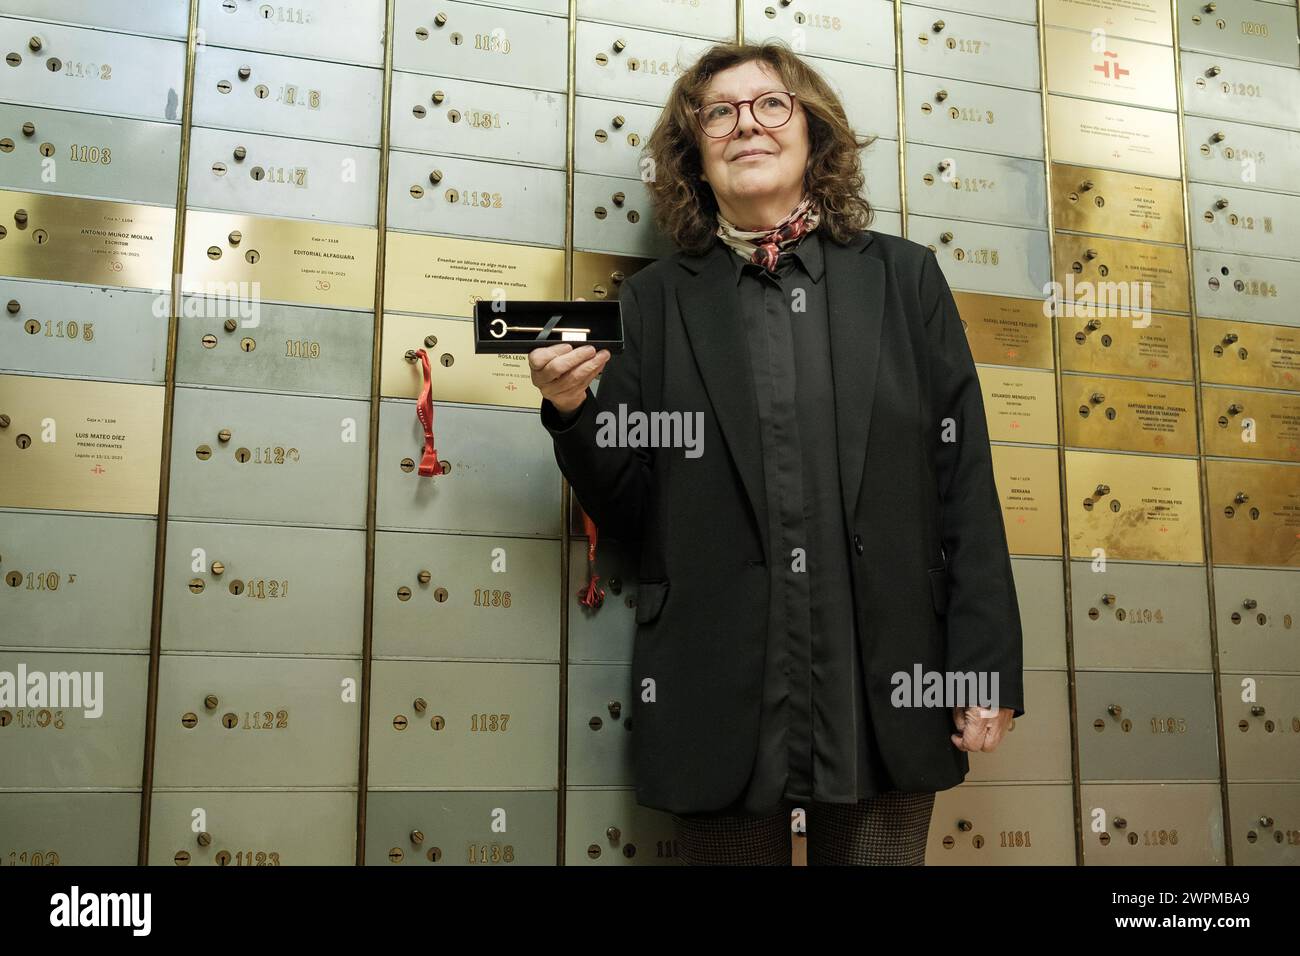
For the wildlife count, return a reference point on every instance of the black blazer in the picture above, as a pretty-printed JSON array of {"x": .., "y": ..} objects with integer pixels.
[{"x": 932, "y": 580}]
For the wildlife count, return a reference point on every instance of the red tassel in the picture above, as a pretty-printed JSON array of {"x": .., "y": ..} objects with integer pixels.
[
  {"x": 591, "y": 595},
  {"x": 429, "y": 463}
]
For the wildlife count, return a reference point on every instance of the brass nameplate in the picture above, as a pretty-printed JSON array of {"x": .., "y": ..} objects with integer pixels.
[
  {"x": 438, "y": 275},
  {"x": 1243, "y": 353},
  {"x": 1146, "y": 20},
  {"x": 456, "y": 372},
  {"x": 1092, "y": 340},
  {"x": 306, "y": 263},
  {"x": 1128, "y": 415},
  {"x": 1254, "y": 513},
  {"x": 1137, "y": 74},
  {"x": 1122, "y": 205},
  {"x": 1029, "y": 487},
  {"x": 1005, "y": 331},
  {"x": 1122, "y": 277},
  {"x": 85, "y": 240},
  {"x": 1133, "y": 507},
  {"x": 80, "y": 445},
  {"x": 1247, "y": 424},
  {"x": 1019, "y": 404},
  {"x": 599, "y": 275},
  {"x": 1127, "y": 138}
]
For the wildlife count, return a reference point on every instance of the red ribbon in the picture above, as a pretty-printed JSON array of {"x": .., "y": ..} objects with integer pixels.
[
  {"x": 429, "y": 464},
  {"x": 591, "y": 594}
]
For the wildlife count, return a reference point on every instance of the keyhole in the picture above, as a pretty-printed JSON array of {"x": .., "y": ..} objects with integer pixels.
[
  {"x": 40, "y": 237},
  {"x": 440, "y": 595},
  {"x": 47, "y": 149},
  {"x": 258, "y": 173},
  {"x": 247, "y": 345},
  {"x": 261, "y": 91},
  {"x": 242, "y": 455},
  {"x": 447, "y": 360},
  {"x": 236, "y": 587},
  {"x": 437, "y": 723},
  {"x": 24, "y": 441},
  {"x": 32, "y": 326},
  {"x": 223, "y": 858},
  {"x": 230, "y": 721},
  {"x": 252, "y": 255}
]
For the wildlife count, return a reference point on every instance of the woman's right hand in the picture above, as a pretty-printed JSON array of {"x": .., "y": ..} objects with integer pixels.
[{"x": 562, "y": 373}]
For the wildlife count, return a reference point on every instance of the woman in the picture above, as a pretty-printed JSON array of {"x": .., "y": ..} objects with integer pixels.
[{"x": 840, "y": 527}]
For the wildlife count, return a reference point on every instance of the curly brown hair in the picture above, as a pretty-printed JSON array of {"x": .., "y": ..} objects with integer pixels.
[{"x": 684, "y": 205}]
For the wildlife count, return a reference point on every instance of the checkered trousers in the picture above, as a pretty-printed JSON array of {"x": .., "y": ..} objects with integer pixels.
[{"x": 886, "y": 830}]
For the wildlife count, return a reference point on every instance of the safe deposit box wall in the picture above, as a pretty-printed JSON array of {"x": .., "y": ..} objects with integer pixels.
[{"x": 310, "y": 653}]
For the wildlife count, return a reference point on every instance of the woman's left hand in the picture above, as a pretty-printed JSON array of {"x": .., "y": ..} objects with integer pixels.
[{"x": 979, "y": 728}]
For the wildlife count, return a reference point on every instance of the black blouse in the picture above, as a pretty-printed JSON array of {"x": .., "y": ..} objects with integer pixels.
[{"x": 815, "y": 740}]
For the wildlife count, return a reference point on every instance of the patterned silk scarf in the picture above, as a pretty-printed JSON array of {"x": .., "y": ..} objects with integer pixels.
[{"x": 765, "y": 246}]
